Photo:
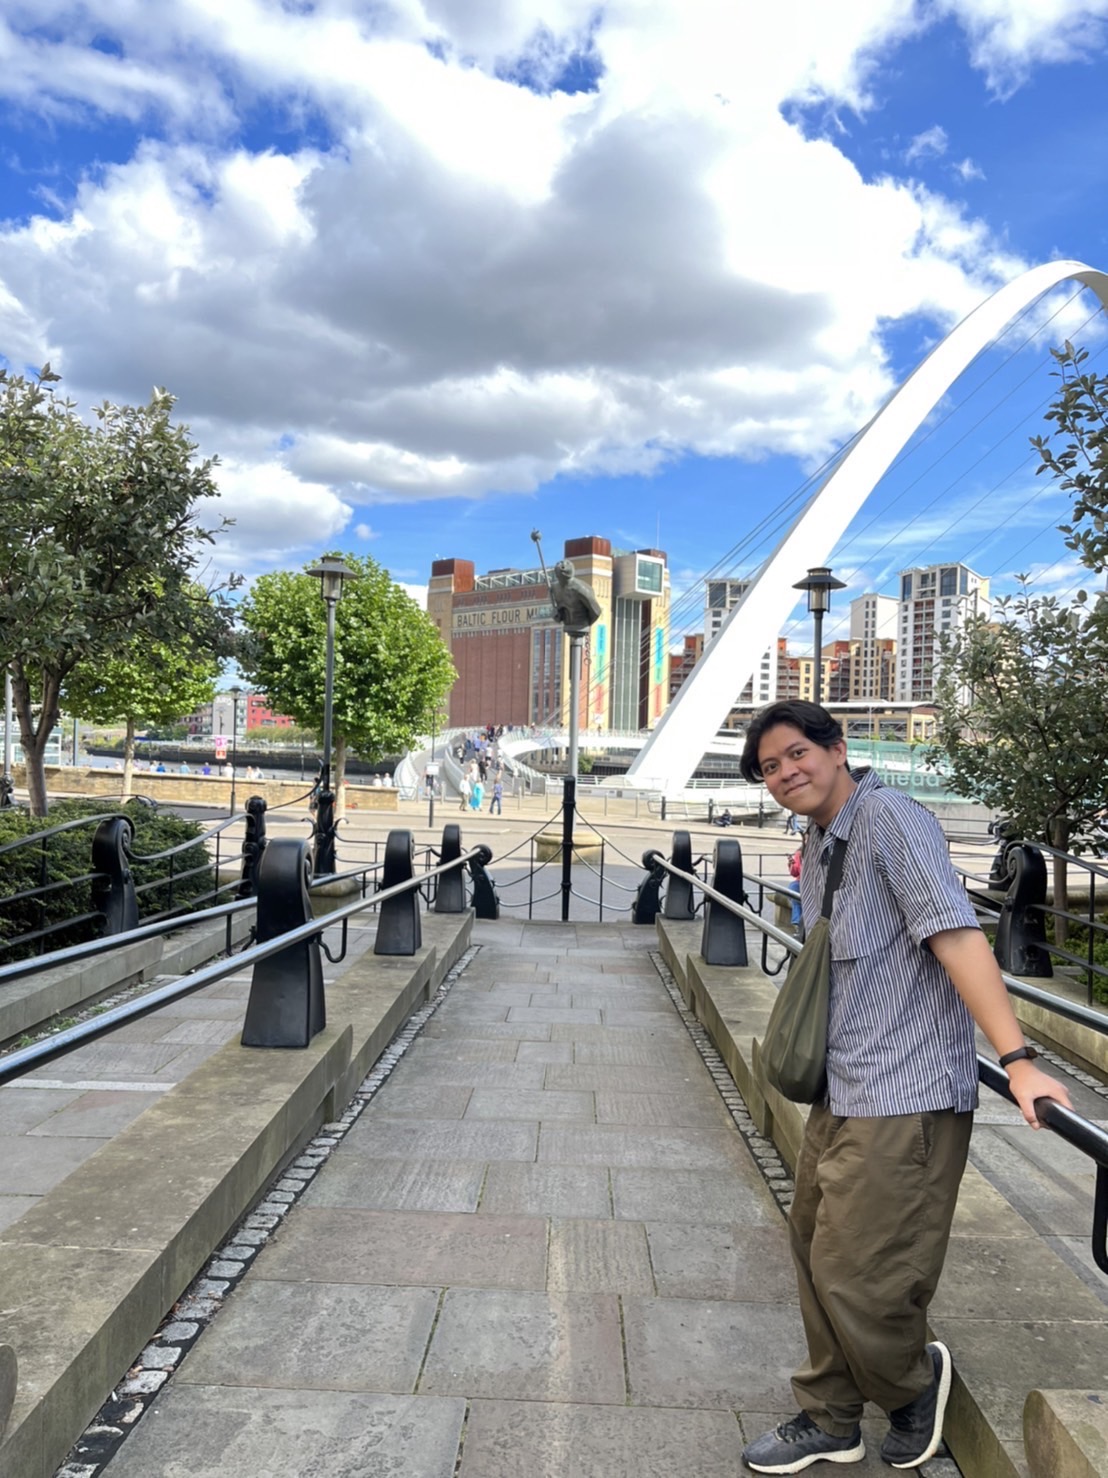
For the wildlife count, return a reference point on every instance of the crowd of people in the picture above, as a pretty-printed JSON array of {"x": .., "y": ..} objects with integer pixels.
[{"x": 483, "y": 770}]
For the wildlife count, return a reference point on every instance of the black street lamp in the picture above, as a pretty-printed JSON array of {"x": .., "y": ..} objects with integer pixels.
[
  {"x": 331, "y": 573},
  {"x": 819, "y": 583},
  {"x": 236, "y": 694}
]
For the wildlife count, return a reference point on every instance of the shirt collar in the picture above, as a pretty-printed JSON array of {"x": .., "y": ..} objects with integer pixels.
[{"x": 864, "y": 781}]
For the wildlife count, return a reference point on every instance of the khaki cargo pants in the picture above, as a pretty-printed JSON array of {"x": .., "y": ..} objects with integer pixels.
[{"x": 869, "y": 1228}]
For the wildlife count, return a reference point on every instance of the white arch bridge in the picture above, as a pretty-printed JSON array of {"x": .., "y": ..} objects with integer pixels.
[{"x": 690, "y": 723}]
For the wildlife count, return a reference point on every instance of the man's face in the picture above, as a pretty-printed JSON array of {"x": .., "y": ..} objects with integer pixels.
[{"x": 803, "y": 776}]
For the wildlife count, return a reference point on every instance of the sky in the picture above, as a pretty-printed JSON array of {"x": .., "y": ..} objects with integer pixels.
[{"x": 427, "y": 274}]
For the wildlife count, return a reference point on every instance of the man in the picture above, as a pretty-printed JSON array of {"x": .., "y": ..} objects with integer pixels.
[{"x": 878, "y": 1172}]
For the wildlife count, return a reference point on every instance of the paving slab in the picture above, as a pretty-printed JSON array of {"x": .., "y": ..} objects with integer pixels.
[
  {"x": 224, "y": 1432},
  {"x": 661, "y": 1110},
  {"x": 24, "y": 1109},
  {"x": 571, "y": 1441},
  {"x": 398, "y": 1185},
  {"x": 323, "y": 1336},
  {"x": 547, "y": 1190},
  {"x": 743, "y": 1264},
  {"x": 599, "y": 1256},
  {"x": 519, "y": 1103},
  {"x": 407, "y": 1247},
  {"x": 702, "y": 1353},
  {"x": 615, "y": 1144},
  {"x": 527, "y": 1347},
  {"x": 545, "y": 1052},
  {"x": 439, "y": 1139},
  {"x": 690, "y": 1196},
  {"x": 414, "y": 1101},
  {"x": 453, "y": 1072},
  {"x": 95, "y": 1115}
]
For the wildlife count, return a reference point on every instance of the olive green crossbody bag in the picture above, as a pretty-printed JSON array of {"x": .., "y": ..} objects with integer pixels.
[{"x": 794, "y": 1048}]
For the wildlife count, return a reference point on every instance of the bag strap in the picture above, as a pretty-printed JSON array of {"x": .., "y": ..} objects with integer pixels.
[{"x": 834, "y": 875}]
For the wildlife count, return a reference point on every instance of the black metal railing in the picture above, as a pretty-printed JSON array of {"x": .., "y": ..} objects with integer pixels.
[
  {"x": 283, "y": 882},
  {"x": 1085, "y": 1136}
]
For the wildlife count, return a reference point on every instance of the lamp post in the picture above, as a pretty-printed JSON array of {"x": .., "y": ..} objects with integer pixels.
[
  {"x": 6, "y": 786},
  {"x": 236, "y": 694},
  {"x": 331, "y": 573},
  {"x": 818, "y": 584}
]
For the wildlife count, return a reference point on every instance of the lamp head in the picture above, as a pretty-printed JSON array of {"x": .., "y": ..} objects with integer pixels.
[{"x": 331, "y": 572}]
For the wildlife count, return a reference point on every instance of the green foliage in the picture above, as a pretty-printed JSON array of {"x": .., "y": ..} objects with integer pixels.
[
  {"x": 391, "y": 667},
  {"x": 100, "y": 541},
  {"x": 149, "y": 684},
  {"x": 286, "y": 736},
  {"x": 68, "y": 855},
  {"x": 1021, "y": 703},
  {"x": 1080, "y": 464},
  {"x": 1078, "y": 942}
]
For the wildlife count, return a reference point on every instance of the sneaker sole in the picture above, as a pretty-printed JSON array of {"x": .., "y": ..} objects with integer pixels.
[
  {"x": 848, "y": 1455},
  {"x": 940, "y": 1408}
]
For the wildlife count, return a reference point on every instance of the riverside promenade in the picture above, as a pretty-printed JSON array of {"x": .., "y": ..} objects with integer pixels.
[{"x": 543, "y": 1247}]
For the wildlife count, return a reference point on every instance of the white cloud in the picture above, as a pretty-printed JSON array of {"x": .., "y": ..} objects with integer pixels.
[
  {"x": 471, "y": 285},
  {"x": 966, "y": 170},
  {"x": 1010, "y": 37},
  {"x": 930, "y": 144},
  {"x": 417, "y": 592},
  {"x": 364, "y": 531}
]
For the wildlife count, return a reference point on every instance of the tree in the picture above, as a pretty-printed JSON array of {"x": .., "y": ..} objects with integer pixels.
[
  {"x": 149, "y": 683},
  {"x": 1080, "y": 466},
  {"x": 100, "y": 540},
  {"x": 391, "y": 667},
  {"x": 1021, "y": 703}
]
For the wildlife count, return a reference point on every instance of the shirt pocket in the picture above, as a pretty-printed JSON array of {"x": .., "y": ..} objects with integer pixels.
[{"x": 861, "y": 928}]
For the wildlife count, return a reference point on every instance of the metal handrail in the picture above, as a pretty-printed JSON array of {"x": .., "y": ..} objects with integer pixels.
[
  {"x": 15, "y": 1064},
  {"x": 75, "y": 953}
]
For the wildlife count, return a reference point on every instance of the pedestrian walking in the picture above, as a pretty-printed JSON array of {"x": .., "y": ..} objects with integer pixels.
[
  {"x": 477, "y": 795},
  {"x": 882, "y": 1157},
  {"x": 464, "y": 790},
  {"x": 495, "y": 807}
]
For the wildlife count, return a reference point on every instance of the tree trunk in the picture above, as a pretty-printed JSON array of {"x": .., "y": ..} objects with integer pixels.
[
  {"x": 128, "y": 760},
  {"x": 32, "y": 738},
  {"x": 338, "y": 779},
  {"x": 1059, "y": 837}
]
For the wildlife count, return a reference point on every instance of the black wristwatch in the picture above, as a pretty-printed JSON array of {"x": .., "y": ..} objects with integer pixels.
[{"x": 1028, "y": 1052}]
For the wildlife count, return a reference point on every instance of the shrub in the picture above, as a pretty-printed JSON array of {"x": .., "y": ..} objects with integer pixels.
[{"x": 68, "y": 856}]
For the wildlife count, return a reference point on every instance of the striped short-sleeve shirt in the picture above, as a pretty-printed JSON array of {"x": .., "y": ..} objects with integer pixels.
[{"x": 899, "y": 1039}]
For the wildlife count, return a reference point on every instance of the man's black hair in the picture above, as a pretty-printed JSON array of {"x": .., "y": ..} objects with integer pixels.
[{"x": 814, "y": 722}]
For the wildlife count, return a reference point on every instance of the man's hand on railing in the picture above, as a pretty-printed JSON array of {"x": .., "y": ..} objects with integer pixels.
[{"x": 1028, "y": 1082}]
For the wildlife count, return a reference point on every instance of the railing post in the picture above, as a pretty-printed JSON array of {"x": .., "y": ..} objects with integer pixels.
[
  {"x": 1020, "y": 946},
  {"x": 679, "y": 893},
  {"x": 399, "y": 928},
  {"x": 450, "y": 892},
  {"x": 723, "y": 940},
  {"x": 569, "y": 805},
  {"x": 486, "y": 905},
  {"x": 286, "y": 1006},
  {"x": 113, "y": 893},
  {"x": 253, "y": 845},
  {"x": 648, "y": 899},
  {"x": 325, "y": 833}
]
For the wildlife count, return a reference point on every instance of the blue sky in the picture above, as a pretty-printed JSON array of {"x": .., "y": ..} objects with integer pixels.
[{"x": 426, "y": 274}]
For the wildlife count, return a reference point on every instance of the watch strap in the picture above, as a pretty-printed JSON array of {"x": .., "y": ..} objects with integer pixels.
[{"x": 1018, "y": 1054}]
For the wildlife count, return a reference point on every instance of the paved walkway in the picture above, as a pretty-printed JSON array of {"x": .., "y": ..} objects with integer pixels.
[{"x": 542, "y": 1250}]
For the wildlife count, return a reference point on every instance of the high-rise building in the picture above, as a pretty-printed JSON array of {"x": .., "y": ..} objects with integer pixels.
[
  {"x": 873, "y": 626},
  {"x": 720, "y": 597},
  {"x": 512, "y": 657},
  {"x": 933, "y": 602}
]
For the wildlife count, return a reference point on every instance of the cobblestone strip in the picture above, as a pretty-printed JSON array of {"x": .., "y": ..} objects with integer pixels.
[
  {"x": 205, "y": 1296},
  {"x": 774, "y": 1170}
]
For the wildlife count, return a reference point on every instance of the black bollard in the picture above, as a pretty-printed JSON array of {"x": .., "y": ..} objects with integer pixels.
[
  {"x": 286, "y": 1006},
  {"x": 399, "y": 928},
  {"x": 450, "y": 895},
  {"x": 113, "y": 892},
  {"x": 486, "y": 905},
  {"x": 648, "y": 901},
  {"x": 253, "y": 845},
  {"x": 679, "y": 893},
  {"x": 1020, "y": 946},
  {"x": 723, "y": 940}
]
